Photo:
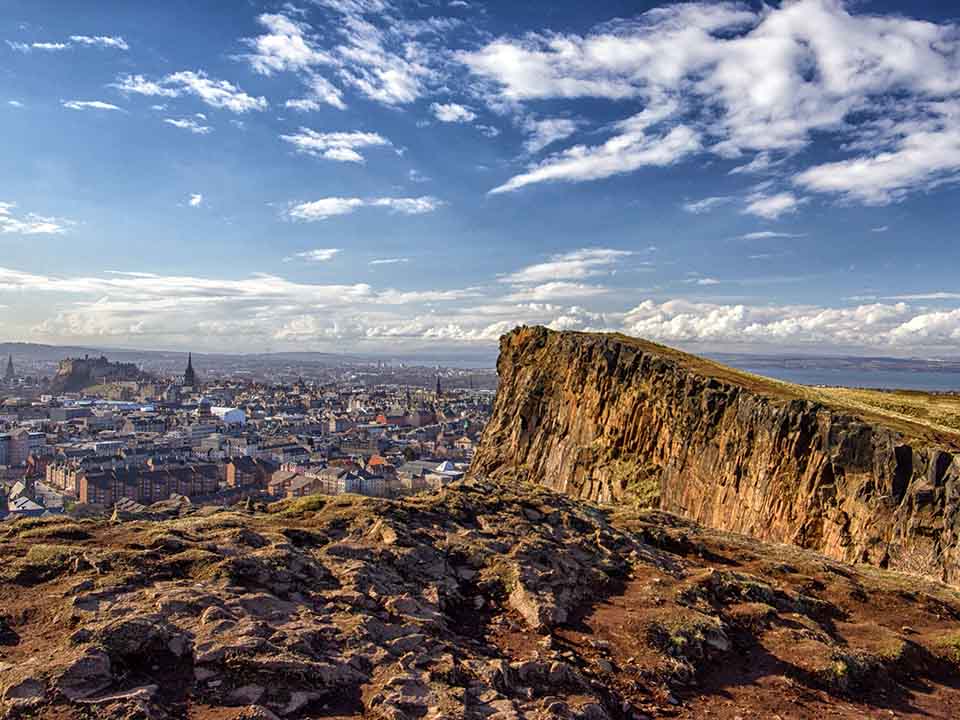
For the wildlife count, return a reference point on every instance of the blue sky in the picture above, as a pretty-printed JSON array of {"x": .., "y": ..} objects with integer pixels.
[{"x": 379, "y": 175}]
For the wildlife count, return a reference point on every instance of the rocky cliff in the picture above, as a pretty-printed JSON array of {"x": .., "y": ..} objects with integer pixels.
[{"x": 612, "y": 419}]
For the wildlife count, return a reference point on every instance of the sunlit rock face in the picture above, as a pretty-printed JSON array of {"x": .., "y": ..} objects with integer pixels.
[{"x": 616, "y": 420}]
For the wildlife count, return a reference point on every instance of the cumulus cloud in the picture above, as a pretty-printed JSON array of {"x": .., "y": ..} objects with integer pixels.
[
  {"x": 752, "y": 84},
  {"x": 339, "y": 146},
  {"x": 150, "y": 308},
  {"x": 219, "y": 94},
  {"x": 196, "y": 200},
  {"x": 333, "y": 206},
  {"x": 29, "y": 224},
  {"x": 452, "y": 113},
  {"x": 886, "y": 326}
]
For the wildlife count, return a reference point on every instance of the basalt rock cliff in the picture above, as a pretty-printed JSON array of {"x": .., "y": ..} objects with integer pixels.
[{"x": 613, "y": 419}]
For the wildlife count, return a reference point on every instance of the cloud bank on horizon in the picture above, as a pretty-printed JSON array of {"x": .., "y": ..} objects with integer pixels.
[{"x": 371, "y": 174}]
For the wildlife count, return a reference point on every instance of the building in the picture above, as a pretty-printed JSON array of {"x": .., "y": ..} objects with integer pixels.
[
  {"x": 10, "y": 375},
  {"x": 246, "y": 472},
  {"x": 149, "y": 485},
  {"x": 23, "y": 444}
]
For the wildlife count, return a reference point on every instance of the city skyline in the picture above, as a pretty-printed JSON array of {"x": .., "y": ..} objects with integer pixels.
[{"x": 388, "y": 177}]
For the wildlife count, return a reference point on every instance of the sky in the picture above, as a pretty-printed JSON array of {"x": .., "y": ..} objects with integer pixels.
[{"x": 388, "y": 176}]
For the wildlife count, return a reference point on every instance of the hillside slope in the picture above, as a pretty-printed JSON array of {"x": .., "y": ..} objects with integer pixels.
[
  {"x": 480, "y": 602},
  {"x": 613, "y": 419}
]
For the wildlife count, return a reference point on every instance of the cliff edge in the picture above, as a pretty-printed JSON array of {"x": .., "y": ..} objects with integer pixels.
[{"x": 615, "y": 420}]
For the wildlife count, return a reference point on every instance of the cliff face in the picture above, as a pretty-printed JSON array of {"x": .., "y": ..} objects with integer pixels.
[{"x": 608, "y": 418}]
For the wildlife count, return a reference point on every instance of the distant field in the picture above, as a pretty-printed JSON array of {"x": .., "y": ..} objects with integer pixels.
[{"x": 938, "y": 410}]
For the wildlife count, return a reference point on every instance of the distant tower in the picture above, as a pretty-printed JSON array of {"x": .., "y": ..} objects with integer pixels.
[
  {"x": 10, "y": 374},
  {"x": 190, "y": 377},
  {"x": 439, "y": 391}
]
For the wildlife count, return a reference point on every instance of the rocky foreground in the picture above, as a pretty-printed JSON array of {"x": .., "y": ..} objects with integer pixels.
[{"x": 480, "y": 601}]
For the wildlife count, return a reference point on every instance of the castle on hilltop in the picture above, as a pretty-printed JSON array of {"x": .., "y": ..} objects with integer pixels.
[{"x": 74, "y": 374}]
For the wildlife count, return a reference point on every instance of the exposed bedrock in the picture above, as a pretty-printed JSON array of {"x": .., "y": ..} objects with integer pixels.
[{"x": 613, "y": 419}]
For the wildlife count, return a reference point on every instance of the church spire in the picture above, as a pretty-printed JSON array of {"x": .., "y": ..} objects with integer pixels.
[
  {"x": 189, "y": 376},
  {"x": 11, "y": 373},
  {"x": 439, "y": 391}
]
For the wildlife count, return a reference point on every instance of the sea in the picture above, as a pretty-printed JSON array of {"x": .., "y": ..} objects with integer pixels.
[{"x": 874, "y": 378}]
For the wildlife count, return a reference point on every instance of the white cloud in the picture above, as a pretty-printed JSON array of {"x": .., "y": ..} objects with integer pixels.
[
  {"x": 575, "y": 265},
  {"x": 15, "y": 103},
  {"x": 409, "y": 206},
  {"x": 365, "y": 44},
  {"x": 339, "y": 146},
  {"x": 219, "y": 94},
  {"x": 761, "y": 81},
  {"x": 545, "y": 132},
  {"x": 315, "y": 256},
  {"x": 196, "y": 200},
  {"x": 139, "y": 85},
  {"x": 286, "y": 46},
  {"x": 324, "y": 208},
  {"x": 102, "y": 41},
  {"x": 333, "y": 206},
  {"x": 189, "y": 124},
  {"x": 771, "y": 207},
  {"x": 630, "y": 150},
  {"x": 698, "y": 207},
  {"x": 557, "y": 290},
  {"x": 881, "y": 229},
  {"x": 320, "y": 92},
  {"x": 149, "y": 309},
  {"x": 88, "y": 105},
  {"x": 289, "y": 45},
  {"x": 30, "y": 224},
  {"x": 452, "y": 113},
  {"x": 769, "y": 235},
  {"x": 761, "y": 163},
  {"x": 925, "y": 153},
  {"x": 389, "y": 261}
]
